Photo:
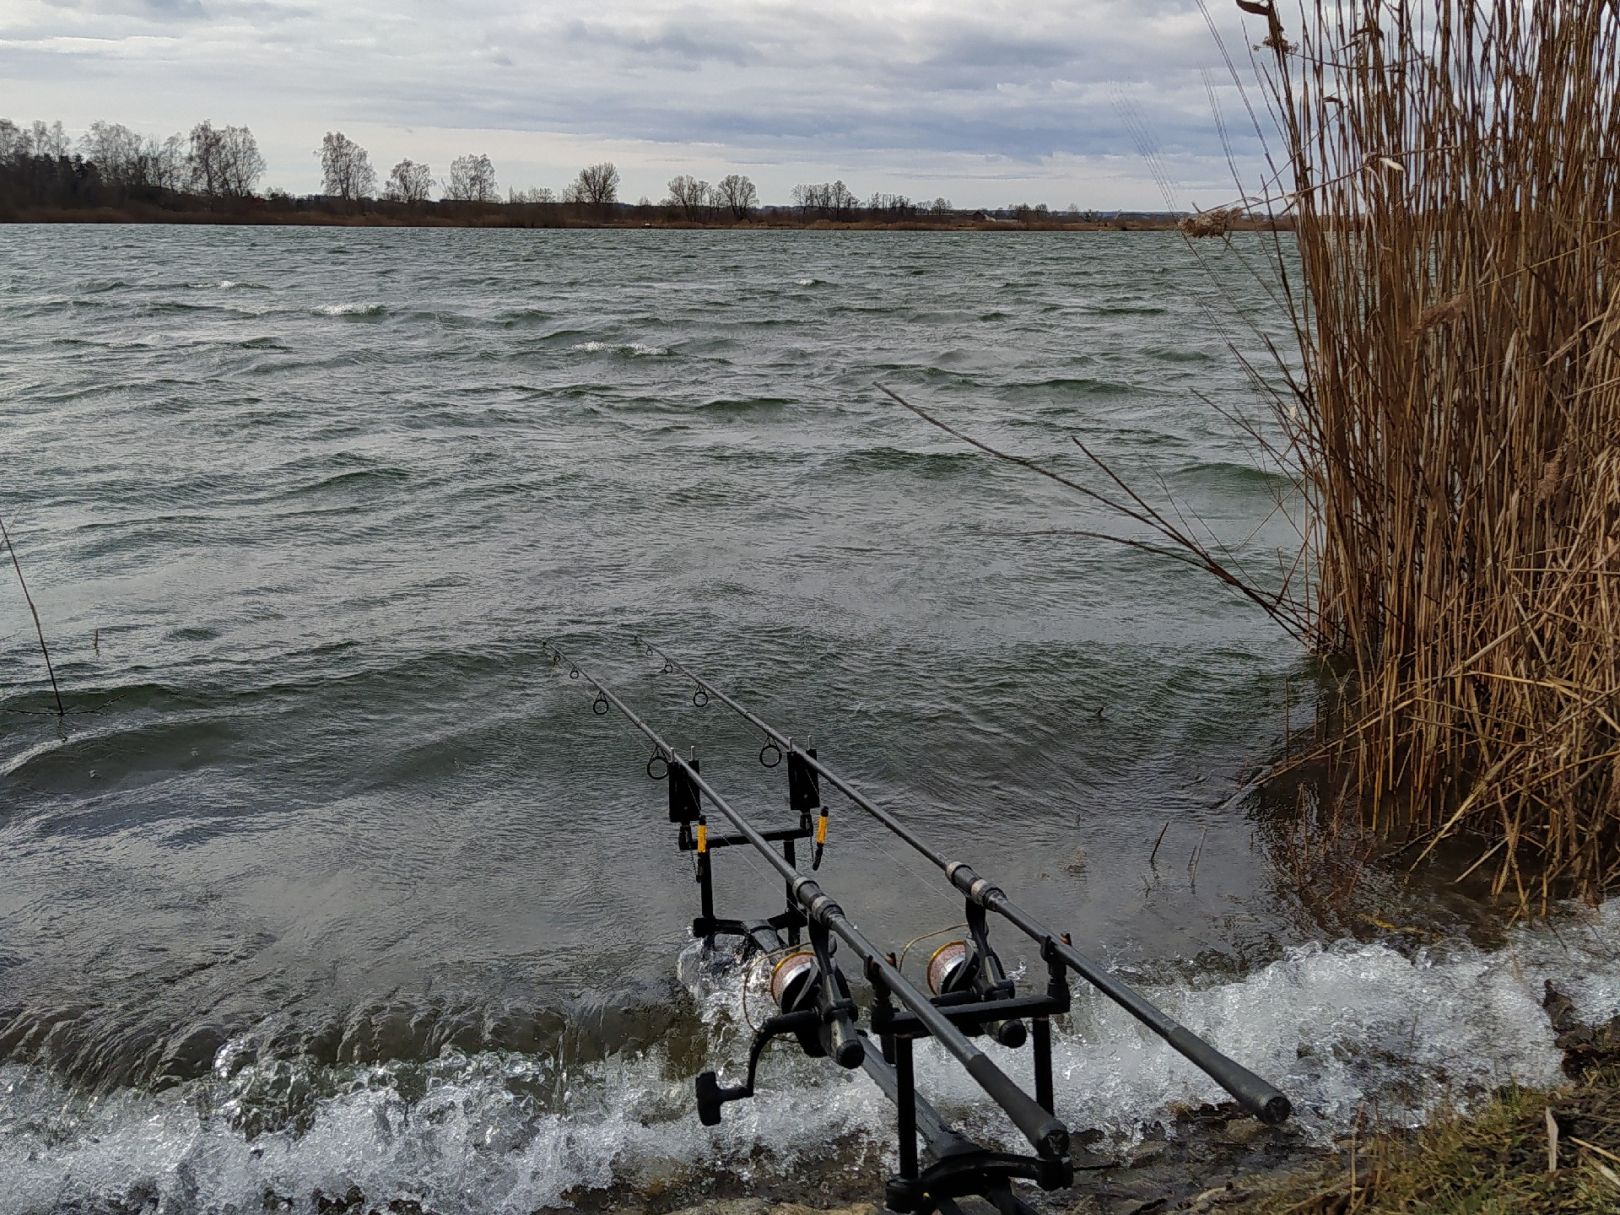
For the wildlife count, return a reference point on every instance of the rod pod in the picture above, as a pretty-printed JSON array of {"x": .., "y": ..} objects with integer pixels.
[
  {"x": 1254, "y": 1094},
  {"x": 1039, "y": 1126}
]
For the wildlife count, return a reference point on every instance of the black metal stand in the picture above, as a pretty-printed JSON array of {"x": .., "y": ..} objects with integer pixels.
[
  {"x": 960, "y": 1167},
  {"x": 989, "y": 1004}
]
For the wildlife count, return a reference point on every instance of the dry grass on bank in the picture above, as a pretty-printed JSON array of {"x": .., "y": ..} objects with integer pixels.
[
  {"x": 1455, "y": 175},
  {"x": 1493, "y": 1162}
]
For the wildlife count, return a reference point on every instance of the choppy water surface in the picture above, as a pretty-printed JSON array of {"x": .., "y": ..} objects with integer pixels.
[{"x": 332, "y": 881}]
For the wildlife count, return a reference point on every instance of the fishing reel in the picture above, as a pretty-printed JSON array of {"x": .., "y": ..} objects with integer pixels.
[
  {"x": 814, "y": 1007},
  {"x": 969, "y": 970}
]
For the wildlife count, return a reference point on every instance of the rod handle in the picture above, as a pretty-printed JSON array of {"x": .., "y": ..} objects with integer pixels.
[
  {"x": 1261, "y": 1099},
  {"x": 843, "y": 1042},
  {"x": 1045, "y": 1132}
]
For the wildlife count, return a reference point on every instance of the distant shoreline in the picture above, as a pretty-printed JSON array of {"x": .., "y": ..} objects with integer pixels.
[{"x": 521, "y": 216}]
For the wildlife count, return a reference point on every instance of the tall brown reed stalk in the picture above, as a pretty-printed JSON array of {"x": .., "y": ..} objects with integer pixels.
[{"x": 1453, "y": 171}]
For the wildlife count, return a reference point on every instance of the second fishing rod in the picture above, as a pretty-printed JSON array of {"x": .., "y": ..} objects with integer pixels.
[{"x": 1254, "y": 1094}]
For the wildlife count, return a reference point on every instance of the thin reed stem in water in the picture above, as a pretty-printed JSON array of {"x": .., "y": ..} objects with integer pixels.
[{"x": 39, "y": 629}]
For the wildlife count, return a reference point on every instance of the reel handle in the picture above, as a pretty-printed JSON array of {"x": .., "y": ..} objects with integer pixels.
[{"x": 710, "y": 1097}]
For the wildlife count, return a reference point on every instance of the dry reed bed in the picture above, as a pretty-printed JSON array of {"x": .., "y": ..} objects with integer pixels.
[{"x": 1455, "y": 173}]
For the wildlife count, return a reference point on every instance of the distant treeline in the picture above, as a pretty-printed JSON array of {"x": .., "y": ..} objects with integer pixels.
[{"x": 113, "y": 173}]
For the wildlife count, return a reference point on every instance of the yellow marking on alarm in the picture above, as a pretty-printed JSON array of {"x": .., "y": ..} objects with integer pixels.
[
  {"x": 821, "y": 830},
  {"x": 703, "y": 837}
]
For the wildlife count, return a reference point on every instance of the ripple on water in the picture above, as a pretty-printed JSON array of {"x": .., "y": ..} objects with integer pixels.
[{"x": 323, "y": 850}]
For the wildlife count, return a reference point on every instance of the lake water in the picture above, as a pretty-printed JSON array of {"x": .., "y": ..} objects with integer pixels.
[{"x": 331, "y": 880}]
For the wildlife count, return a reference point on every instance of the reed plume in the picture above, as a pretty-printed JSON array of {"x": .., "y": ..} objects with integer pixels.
[{"x": 1454, "y": 171}]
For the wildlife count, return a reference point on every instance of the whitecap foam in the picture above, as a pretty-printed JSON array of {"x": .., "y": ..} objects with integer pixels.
[
  {"x": 634, "y": 349},
  {"x": 1345, "y": 1029},
  {"x": 351, "y": 310}
]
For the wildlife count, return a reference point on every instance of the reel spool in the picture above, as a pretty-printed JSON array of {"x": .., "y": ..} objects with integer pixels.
[
  {"x": 948, "y": 968},
  {"x": 794, "y": 979},
  {"x": 796, "y": 985},
  {"x": 956, "y": 966}
]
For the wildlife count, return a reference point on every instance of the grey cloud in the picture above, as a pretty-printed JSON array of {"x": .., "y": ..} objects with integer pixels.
[
  {"x": 817, "y": 86},
  {"x": 162, "y": 9},
  {"x": 669, "y": 42}
]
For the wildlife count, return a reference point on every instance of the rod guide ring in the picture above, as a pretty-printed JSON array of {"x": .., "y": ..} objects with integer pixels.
[
  {"x": 600, "y": 705},
  {"x": 700, "y": 698},
  {"x": 767, "y": 749}
]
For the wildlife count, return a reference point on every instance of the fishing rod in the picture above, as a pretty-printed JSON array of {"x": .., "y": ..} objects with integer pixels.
[
  {"x": 816, "y": 1007},
  {"x": 1257, "y": 1096}
]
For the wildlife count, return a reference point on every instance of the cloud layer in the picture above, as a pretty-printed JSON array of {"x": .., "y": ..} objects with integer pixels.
[{"x": 986, "y": 103}]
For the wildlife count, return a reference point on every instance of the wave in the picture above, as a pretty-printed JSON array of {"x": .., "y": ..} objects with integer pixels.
[
  {"x": 626, "y": 349},
  {"x": 1231, "y": 476},
  {"x": 354, "y": 479},
  {"x": 1165, "y": 354},
  {"x": 893, "y": 459},
  {"x": 352, "y": 310},
  {"x": 227, "y": 284},
  {"x": 1080, "y": 386},
  {"x": 185, "y": 307},
  {"x": 740, "y": 406},
  {"x": 515, "y": 317},
  {"x": 1347, "y": 1030}
]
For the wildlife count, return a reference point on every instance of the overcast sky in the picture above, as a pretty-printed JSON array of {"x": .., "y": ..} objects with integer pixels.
[{"x": 983, "y": 102}]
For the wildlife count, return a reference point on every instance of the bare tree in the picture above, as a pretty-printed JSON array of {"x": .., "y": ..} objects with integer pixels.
[
  {"x": 737, "y": 193},
  {"x": 472, "y": 179},
  {"x": 241, "y": 165},
  {"x": 843, "y": 201},
  {"x": 689, "y": 194},
  {"x": 116, "y": 151},
  {"x": 540, "y": 195},
  {"x": 204, "y": 170},
  {"x": 831, "y": 200},
  {"x": 597, "y": 185},
  {"x": 346, "y": 168},
  {"x": 410, "y": 182},
  {"x": 13, "y": 141},
  {"x": 168, "y": 163},
  {"x": 51, "y": 141}
]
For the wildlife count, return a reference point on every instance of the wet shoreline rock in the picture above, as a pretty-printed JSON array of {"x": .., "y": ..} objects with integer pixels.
[{"x": 1586, "y": 1048}]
